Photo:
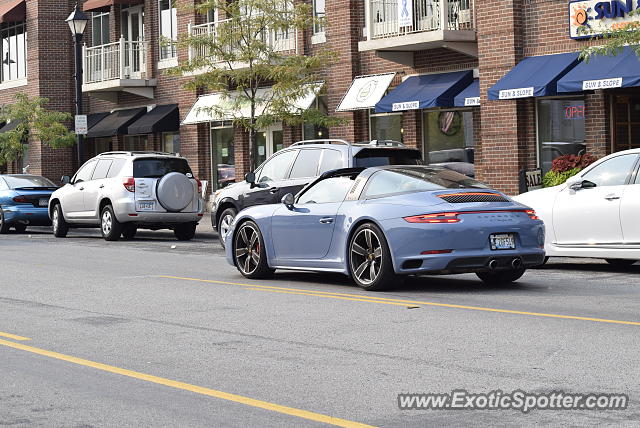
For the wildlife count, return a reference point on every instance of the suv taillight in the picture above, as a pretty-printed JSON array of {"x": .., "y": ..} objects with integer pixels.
[
  {"x": 129, "y": 183},
  {"x": 199, "y": 186}
]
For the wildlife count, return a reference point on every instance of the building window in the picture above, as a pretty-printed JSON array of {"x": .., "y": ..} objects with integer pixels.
[
  {"x": 448, "y": 138},
  {"x": 99, "y": 28},
  {"x": 318, "y": 16},
  {"x": 14, "y": 51},
  {"x": 560, "y": 129},
  {"x": 168, "y": 28},
  {"x": 222, "y": 157},
  {"x": 314, "y": 132},
  {"x": 171, "y": 142},
  {"x": 136, "y": 143},
  {"x": 386, "y": 127}
]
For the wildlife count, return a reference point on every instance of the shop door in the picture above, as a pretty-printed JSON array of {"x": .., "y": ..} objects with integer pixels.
[
  {"x": 627, "y": 122},
  {"x": 223, "y": 171},
  {"x": 269, "y": 141},
  {"x": 133, "y": 33}
]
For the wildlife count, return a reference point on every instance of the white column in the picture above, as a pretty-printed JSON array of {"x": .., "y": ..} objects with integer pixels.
[
  {"x": 122, "y": 57},
  {"x": 444, "y": 15}
]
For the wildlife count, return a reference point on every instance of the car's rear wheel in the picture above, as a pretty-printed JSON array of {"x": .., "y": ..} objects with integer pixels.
[
  {"x": 4, "y": 226},
  {"x": 110, "y": 227},
  {"x": 129, "y": 231},
  {"x": 249, "y": 254},
  {"x": 20, "y": 228},
  {"x": 370, "y": 262},
  {"x": 620, "y": 262},
  {"x": 224, "y": 223},
  {"x": 501, "y": 277},
  {"x": 60, "y": 225},
  {"x": 185, "y": 231}
]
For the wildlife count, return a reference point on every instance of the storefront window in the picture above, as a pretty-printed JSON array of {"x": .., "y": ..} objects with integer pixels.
[
  {"x": 222, "y": 157},
  {"x": 171, "y": 142},
  {"x": 626, "y": 122},
  {"x": 314, "y": 132},
  {"x": 386, "y": 127},
  {"x": 560, "y": 129},
  {"x": 448, "y": 137},
  {"x": 136, "y": 143}
]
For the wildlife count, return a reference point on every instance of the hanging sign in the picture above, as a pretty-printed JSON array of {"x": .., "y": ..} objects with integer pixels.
[
  {"x": 594, "y": 17},
  {"x": 405, "y": 13}
]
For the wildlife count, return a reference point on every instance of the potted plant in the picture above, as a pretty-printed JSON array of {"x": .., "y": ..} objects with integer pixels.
[{"x": 566, "y": 166}]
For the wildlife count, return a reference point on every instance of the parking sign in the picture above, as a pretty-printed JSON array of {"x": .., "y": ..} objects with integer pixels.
[{"x": 81, "y": 124}]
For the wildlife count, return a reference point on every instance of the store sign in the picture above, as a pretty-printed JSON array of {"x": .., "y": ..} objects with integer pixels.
[
  {"x": 407, "y": 105},
  {"x": 574, "y": 112},
  {"x": 594, "y": 17},
  {"x": 508, "y": 94},
  {"x": 533, "y": 179},
  {"x": 405, "y": 13},
  {"x": 472, "y": 101},
  {"x": 589, "y": 85},
  {"x": 366, "y": 91}
]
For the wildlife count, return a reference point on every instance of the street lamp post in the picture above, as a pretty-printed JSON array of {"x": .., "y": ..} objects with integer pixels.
[{"x": 77, "y": 23}]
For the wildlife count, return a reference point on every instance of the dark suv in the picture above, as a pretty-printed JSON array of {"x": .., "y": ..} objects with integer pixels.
[{"x": 290, "y": 169}]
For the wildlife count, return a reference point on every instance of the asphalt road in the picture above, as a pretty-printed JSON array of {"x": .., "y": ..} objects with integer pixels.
[{"x": 156, "y": 332}]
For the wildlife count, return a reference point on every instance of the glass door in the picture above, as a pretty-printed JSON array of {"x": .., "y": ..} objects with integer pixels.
[
  {"x": 223, "y": 170},
  {"x": 269, "y": 141},
  {"x": 133, "y": 33}
]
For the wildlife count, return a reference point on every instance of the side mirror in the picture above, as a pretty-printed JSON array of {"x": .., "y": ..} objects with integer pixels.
[
  {"x": 65, "y": 179},
  {"x": 250, "y": 177},
  {"x": 584, "y": 184},
  {"x": 288, "y": 200}
]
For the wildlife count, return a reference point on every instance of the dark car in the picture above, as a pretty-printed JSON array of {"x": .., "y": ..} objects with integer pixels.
[
  {"x": 23, "y": 201},
  {"x": 290, "y": 169}
]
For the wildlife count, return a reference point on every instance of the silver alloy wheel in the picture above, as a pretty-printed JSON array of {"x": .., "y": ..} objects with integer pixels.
[
  {"x": 366, "y": 256},
  {"x": 225, "y": 224},
  {"x": 55, "y": 219},
  {"x": 106, "y": 222},
  {"x": 247, "y": 249}
]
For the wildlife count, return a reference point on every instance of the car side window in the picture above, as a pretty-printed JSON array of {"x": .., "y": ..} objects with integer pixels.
[
  {"x": 331, "y": 159},
  {"x": 101, "y": 169},
  {"x": 276, "y": 168},
  {"x": 306, "y": 164},
  {"x": 116, "y": 167},
  {"x": 84, "y": 174},
  {"x": 330, "y": 190},
  {"x": 613, "y": 172}
]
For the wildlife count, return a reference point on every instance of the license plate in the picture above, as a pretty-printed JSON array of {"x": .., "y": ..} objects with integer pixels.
[
  {"x": 505, "y": 241},
  {"x": 44, "y": 202},
  {"x": 146, "y": 205}
]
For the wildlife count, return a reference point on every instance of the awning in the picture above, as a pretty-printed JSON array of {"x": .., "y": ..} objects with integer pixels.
[
  {"x": 470, "y": 96},
  {"x": 13, "y": 11},
  {"x": 219, "y": 107},
  {"x": 603, "y": 72},
  {"x": 94, "y": 118},
  {"x": 534, "y": 76},
  {"x": 365, "y": 91},
  {"x": 117, "y": 123},
  {"x": 164, "y": 118},
  {"x": 426, "y": 91},
  {"x": 105, "y": 5}
]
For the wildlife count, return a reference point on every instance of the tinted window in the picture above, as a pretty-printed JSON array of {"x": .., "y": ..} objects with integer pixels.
[
  {"x": 381, "y": 157},
  {"x": 418, "y": 179},
  {"x": 84, "y": 174},
  {"x": 330, "y": 190},
  {"x": 306, "y": 164},
  {"x": 26, "y": 181},
  {"x": 613, "y": 172},
  {"x": 276, "y": 168},
  {"x": 101, "y": 169},
  {"x": 159, "y": 167},
  {"x": 116, "y": 166},
  {"x": 331, "y": 159}
]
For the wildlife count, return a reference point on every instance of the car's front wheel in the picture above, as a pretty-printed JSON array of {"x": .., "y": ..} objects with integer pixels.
[
  {"x": 224, "y": 223},
  {"x": 4, "y": 226},
  {"x": 370, "y": 262},
  {"x": 501, "y": 277},
  {"x": 185, "y": 231},
  {"x": 249, "y": 254},
  {"x": 60, "y": 225},
  {"x": 110, "y": 227}
]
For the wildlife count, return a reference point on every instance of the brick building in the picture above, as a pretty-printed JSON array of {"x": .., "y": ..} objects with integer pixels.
[{"x": 481, "y": 83}]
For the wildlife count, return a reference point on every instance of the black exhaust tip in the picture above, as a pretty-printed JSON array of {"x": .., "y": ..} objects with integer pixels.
[
  {"x": 493, "y": 264},
  {"x": 516, "y": 263}
]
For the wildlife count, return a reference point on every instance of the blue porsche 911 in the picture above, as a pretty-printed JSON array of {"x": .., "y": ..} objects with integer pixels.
[
  {"x": 24, "y": 199},
  {"x": 377, "y": 224}
]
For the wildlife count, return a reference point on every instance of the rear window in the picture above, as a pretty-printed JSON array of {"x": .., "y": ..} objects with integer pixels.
[
  {"x": 380, "y": 157},
  {"x": 27, "y": 181},
  {"x": 158, "y": 167}
]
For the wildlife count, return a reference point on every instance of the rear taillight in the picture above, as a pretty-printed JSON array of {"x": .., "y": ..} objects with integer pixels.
[
  {"x": 129, "y": 183},
  {"x": 532, "y": 214},
  {"x": 434, "y": 218},
  {"x": 21, "y": 199},
  {"x": 199, "y": 186}
]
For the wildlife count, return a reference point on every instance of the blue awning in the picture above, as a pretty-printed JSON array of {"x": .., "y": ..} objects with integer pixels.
[
  {"x": 470, "y": 96},
  {"x": 603, "y": 72},
  {"x": 534, "y": 76},
  {"x": 426, "y": 91}
]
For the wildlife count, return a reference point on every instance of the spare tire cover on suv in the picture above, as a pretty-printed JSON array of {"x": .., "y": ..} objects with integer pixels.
[{"x": 175, "y": 191}]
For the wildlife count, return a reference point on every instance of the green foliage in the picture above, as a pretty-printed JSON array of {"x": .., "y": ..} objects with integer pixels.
[
  {"x": 553, "y": 178},
  {"x": 34, "y": 121},
  {"x": 614, "y": 40}
]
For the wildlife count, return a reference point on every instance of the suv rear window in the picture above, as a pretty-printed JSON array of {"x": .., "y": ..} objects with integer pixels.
[
  {"x": 380, "y": 157},
  {"x": 158, "y": 167}
]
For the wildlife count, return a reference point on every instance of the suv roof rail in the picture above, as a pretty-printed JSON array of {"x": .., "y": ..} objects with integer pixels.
[
  {"x": 322, "y": 141},
  {"x": 133, "y": 152},
  {"x": 381, "y": 143}
]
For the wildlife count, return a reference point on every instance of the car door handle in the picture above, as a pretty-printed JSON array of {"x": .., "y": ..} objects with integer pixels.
[
  {"x": 326, "y": 220},
  {"x": 101, "y": 186},
  {"x": 82, "y": 188},
  {"x": 273, "y": 190},
  {"x": 612, "y": 197}
]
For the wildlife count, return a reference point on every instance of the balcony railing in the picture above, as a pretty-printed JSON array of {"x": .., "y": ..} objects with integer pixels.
[
  {"x": 382, "y": 19},
  {"x": 278, "y": 40},
  {"x": 121, "y": 60}
]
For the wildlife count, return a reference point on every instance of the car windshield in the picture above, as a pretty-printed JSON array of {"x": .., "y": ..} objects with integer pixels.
[
  {"x": 28, "y": 181},
  {"x": 380, "y": 157},
  {"x": 158, "y": 167},
  {"x": 417, "y": 179}
]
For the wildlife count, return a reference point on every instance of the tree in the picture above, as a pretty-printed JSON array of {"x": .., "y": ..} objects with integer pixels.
[
  {"x": 244, "y": 53},
  {"x": 34, "y": 121},
  {"x": 615, "y": 39}
]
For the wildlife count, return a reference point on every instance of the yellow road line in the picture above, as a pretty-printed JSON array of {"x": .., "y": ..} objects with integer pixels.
[
  {"x": 373, "y": 299},
  {"x": 304, "y": 414},
  {"x": 13, "y": 336},
  {"x": 328, "y": 296}
]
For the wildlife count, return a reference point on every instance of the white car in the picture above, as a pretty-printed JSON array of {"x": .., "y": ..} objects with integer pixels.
[{"x": 596, "y": 213}]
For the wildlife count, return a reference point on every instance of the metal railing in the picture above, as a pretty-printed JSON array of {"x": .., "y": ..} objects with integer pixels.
[
  {"x": 123, "y": 59},
  {"x": 425, "y": 15}
]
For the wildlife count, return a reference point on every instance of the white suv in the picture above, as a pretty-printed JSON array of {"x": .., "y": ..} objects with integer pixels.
[{"x": 121, "y": 192}]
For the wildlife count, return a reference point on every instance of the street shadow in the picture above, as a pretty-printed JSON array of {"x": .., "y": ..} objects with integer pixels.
[{"x": 603, "y": 267}]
